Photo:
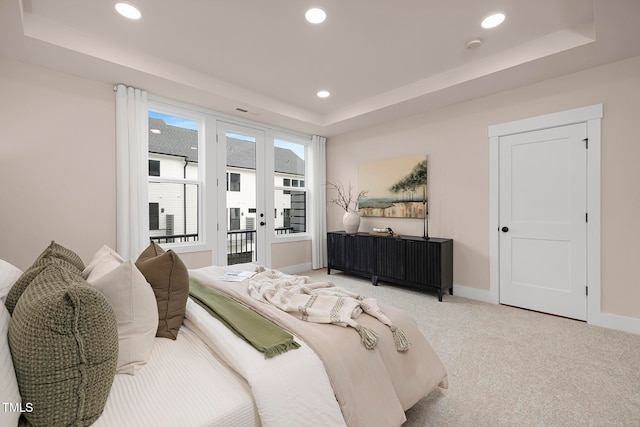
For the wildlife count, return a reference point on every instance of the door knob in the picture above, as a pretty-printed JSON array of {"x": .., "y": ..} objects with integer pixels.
[
  {"x": 505, "y": 229},
  {"x": 262, "y": 223}
]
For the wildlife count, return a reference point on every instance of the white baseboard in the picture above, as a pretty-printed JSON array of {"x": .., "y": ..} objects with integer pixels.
[
  {"x": 614, "y": 321},
  {"x": 296, "y": 269},
  {"x": 605, "y": 320},
  {"x": 474, "y": 293}
]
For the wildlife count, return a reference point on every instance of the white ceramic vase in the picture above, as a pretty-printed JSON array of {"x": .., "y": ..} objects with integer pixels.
[{"x": 351, "y": 222}]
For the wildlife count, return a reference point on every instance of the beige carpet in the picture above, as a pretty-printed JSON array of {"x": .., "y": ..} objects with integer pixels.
[{"x": 513, "y": 367}]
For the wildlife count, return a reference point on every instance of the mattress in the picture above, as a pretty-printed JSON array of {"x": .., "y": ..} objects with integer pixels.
[{"x": 183, "y": 384}]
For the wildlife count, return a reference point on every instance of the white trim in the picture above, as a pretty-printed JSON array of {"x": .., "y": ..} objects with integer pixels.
[
  {"x": 546, "y": 121},
  {"x": 614, "y": 321},
  {"x": 591, "y": 115},
  {"x": 473, "y": 293},
  {"x": 494, "y": 219},
  {"x": 228, "y": 118},
  {"x": 296, "y": 269}
]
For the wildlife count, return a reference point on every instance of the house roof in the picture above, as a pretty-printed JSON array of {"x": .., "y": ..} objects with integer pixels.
[
  {"x": 182, "y": 142},
  {"x": 173, "y": 140}
]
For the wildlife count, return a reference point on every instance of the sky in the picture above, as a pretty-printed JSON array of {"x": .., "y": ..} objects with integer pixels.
[{"x": 192, "y": 124}]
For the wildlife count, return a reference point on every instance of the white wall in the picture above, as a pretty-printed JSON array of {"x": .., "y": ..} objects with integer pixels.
[
  {"x": 57, "y": 168},
  {"x": 57, "y": 163},
  {"x": 455, "y": 140}
]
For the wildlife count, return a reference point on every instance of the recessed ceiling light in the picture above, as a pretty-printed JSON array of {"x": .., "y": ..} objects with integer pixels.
[
  {"x": 315, "y": 15},
  {"x": 492, "y": 21},
  {"x": 128, "y": 10},
  {"x": 323, "y": 94}
]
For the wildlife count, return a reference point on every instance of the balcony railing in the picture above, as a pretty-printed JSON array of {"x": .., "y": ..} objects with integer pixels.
[
  {"x": 175, "y": 238},
  {"x": 241, "y": 246},
  {"x": 240, "y": 243}
]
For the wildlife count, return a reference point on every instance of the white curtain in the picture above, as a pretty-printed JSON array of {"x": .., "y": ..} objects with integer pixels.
[
  {"x": 132, "y": 206},
  {"x": 319, "y": 202}
]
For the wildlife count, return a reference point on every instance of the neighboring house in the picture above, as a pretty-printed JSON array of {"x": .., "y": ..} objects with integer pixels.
[{"x": 173, "y": 206}]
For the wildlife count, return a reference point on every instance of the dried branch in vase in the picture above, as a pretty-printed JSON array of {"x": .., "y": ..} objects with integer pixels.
[{"x": 344, "y": 197}]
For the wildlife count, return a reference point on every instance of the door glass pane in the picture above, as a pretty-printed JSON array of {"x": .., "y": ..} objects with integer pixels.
[
  {"x": 290, "y": 192},
  {"x": 241, "y": 198}
]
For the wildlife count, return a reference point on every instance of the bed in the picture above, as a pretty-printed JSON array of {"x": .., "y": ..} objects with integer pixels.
[
  {"x": 208, "y": 376},
  {"x": 372, "y": 387}
]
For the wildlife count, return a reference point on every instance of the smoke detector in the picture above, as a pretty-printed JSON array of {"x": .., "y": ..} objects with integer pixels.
[{"x": 473, "y": 44}]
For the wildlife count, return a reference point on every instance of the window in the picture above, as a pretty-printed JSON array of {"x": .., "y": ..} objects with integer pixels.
[
  {"x": 290, "y": 170},
  {"x": 154, "y": 216},
  {"x": 154, "y": 167},
  {"x": 233, "y": 181},
  {"x": 234, "y": 218},
  {"x": 174, "y": 178},
  {"x": 189, "y": 205}
]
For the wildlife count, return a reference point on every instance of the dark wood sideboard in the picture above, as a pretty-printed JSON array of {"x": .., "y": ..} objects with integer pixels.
[{"x": 406, "y": 260}]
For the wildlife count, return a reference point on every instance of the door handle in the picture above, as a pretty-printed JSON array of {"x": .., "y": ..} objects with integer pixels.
[
  {"x": 263, "y": 223},
  {"x": 505, "y": 229}
]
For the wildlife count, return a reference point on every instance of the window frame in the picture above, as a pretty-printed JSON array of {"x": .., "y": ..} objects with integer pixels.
[
  {"x": 210, "y": 221},
  {"x": 306, "y": 143},
  {"x": 204, "y": 200}
]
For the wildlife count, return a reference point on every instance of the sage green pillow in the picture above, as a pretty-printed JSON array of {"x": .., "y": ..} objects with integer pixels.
[
  {"x": 53, "y": 254},
  {"x": 64, "y": 344},
  {"x": 55, "y": 250},
  {"x": 41, "y": 265}
]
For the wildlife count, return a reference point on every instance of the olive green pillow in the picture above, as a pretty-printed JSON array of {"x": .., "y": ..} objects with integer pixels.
[
  {"x": 53, "y": 254},
  {"x": 55, "y": 250},
  {"x": 169, "y": 279},
  {"x": 64, "y": 344}
]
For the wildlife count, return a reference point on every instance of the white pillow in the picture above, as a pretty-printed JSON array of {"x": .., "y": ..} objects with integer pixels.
[
  {"x": 8, "y": 276},
  {"x": 104, "y": 251},
  {"x": 10, "y": 392},
  {"x": 135, "y": 306}
]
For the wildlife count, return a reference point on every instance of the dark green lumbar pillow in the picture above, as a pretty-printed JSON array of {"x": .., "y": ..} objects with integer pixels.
[{"x": 64, "y": 344}]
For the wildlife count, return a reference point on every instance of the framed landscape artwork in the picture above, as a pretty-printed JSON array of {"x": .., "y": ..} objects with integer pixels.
[{"x": 396, "y": 188}]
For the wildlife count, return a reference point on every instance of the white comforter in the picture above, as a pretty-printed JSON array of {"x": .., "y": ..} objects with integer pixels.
[
  {"x": 182, "y": 385},
  {"x": 291, "y": 389}
]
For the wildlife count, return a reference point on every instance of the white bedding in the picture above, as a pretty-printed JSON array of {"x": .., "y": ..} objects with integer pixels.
[
  {"x": 183, "y": 384},
  {"x": 291, "y": 389},
  {"x": 372, "y": 387}
]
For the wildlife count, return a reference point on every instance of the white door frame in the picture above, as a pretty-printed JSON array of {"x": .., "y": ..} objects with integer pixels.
[{"x": 591, "y": 115}]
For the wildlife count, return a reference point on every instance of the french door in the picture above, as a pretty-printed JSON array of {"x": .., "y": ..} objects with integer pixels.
[{"x": 242, "y": 216}]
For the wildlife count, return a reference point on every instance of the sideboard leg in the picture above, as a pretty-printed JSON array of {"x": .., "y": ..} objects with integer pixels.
[{"x": 440, "y": 295}]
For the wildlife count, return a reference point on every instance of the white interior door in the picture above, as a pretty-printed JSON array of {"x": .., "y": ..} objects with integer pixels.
[{"x": 542, "y": 190}]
